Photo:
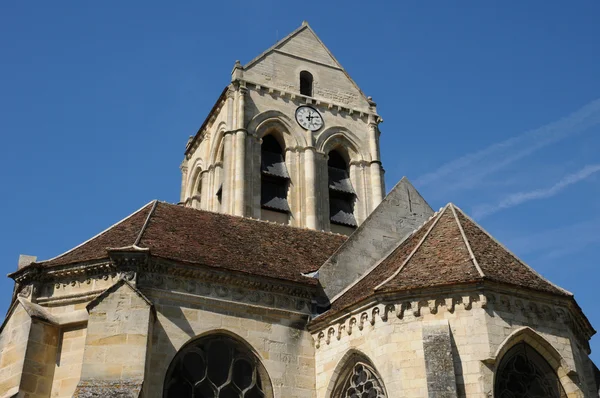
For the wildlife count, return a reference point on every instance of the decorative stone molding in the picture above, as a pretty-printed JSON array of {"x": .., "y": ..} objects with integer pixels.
[
  {"x": 223, "y": 290},
  {"x": 342, "y": 107},
  {"x": 419, "y": 307}
]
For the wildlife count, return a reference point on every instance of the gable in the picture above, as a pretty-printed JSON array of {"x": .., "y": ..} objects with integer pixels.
[
  {"x": 280, "y": 67},
  {"x": 305, "y": 44}
]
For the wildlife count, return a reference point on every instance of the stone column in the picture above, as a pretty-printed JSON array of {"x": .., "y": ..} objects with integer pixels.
[
  {"x": 205, "y": 187},
  {"x": 361, "y": 204},
  {"x": 240, "y": 152},
  {"x": 377, "y": 186},
  {"x": 310, "y": 181},
  {"x": 228, "y": 172},
  {"x": 184, "y": 173}
]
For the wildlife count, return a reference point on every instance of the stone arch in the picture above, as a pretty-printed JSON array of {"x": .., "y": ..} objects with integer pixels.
[
  {"x": 192, "y": 182},
  {"x": 216, "y": 149},
  {"x": 336, "y": 137},
  {"x": 280, "y": 126},
  {"x": 197, "y": 351},
  {"x": 546, "y": 350},
  {"x": 343, "y": 371}
]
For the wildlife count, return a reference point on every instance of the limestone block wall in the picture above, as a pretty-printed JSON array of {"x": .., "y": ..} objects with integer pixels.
[
  {"x": 118, "y": 334},
  {"x": 277, "y": 338},
  {"x": 13, "y": 345},
  {"x": 395, "y": 338},
  {"x": 69, "y": 361},
  {"x": 38, "y": 369},
  {"x": 273, "y": 112},
  {"x": 392, "y": 337},
  {"x": 280, "y": 69},
  {"x": 509, "y": 315}
]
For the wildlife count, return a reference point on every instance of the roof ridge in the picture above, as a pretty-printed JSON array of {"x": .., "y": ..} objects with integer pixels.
[
  {"x": 277, "y": 43},
  {"x": 467, "y": 244},
  {"x": 97, "y": 235},
  {"x": 143, "y": 229},
  {"x": 512, "y": 254},
  {"x": 395, "y": 274},
  {"x": 383, "y": 258}
]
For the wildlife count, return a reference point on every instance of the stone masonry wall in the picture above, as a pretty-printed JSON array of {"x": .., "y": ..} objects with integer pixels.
[
  {"x": 13, "y": 344},
  {"x": 283, "y": 347},
  {"x": 393, "y": 338},
  {"x": 69, "y": 361}
]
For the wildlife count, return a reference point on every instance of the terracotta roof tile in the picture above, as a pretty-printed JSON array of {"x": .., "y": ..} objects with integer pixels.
[
  {"x": 123, "y": 233},
  {"x": 215, "y": 240},
  {"x": 438, "y": 254},
  {"x": 500, "y": 265}
]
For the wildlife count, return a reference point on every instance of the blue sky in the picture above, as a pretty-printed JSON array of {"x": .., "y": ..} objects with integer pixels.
[{"x": 494, "y": 106}]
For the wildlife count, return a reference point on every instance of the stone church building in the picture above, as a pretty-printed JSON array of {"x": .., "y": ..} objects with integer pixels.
[{"x": 286, "y": 272}]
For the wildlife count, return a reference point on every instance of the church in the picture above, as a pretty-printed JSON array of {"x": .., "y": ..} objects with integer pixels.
[{"x": 285, "y": 271}]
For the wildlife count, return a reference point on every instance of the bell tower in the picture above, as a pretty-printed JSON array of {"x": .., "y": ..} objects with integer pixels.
[{"x": 292, "y": 139}]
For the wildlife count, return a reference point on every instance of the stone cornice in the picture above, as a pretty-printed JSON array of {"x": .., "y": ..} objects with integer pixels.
[
  {"x": 76, "y": 283},
  {"x": 317, "y": 102},
  {"x": 498, "y": 298}
]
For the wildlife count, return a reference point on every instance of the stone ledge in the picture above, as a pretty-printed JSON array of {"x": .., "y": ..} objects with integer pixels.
[{"x": 108, "y": 389}]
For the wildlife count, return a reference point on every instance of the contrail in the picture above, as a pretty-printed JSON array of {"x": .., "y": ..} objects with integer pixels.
[
  {"x": 473, "y": 167},
  {"x": 518, "y": 198}
]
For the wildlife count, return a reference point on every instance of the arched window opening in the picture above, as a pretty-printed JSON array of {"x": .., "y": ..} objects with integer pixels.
[
  {"x": 274, "y": 177},
  {"x": 306, "y": 83},
  {"x": 524, "y": 373},
  {"x": 197, "y": 191},
  {"x": 359, "y": 379},
  {"x": 341, "y": 193},
  {"x": 216, "y": 366}
]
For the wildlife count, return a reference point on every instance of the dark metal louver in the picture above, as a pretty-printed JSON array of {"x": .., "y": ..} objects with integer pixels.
[
  {"x": 340, "y": 181},
  {"x": 341, "y": 211},
  {"x": 273, "y": 164},
  {"x": 274, "y": 195}
]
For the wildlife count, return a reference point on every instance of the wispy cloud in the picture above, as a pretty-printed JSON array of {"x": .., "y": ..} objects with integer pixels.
[
  {"x": 518, "y": 198},
  {"x": 468, "y": 170},
  {"x": 558, "y": 242}
]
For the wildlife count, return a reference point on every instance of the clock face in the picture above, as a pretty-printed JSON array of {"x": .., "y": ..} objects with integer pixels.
[{"x": 309, "y": 118}]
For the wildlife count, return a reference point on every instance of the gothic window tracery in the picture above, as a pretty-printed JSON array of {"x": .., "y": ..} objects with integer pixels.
[
  {"x": 359, "y": 381},
  {"x": 214, "y": 367},
  {"x": 341, "y": 193},
  {"x": 524, "y": 373}
]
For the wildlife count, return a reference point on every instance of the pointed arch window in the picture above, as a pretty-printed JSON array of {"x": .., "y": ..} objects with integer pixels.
[
  {"x": 524, "y": 373},
  {"x": 341, "y": 193},
  {"x": 359, "y": 379},
  {"x": 274, "y": 176},
  {"x": 216, "y": 366},
  {"x": 306, "y": 83}
]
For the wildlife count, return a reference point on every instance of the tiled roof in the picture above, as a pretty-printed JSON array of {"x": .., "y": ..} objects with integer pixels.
[
  {"x": 449, "y": 249},
  {"x": 215, "y": 240}
]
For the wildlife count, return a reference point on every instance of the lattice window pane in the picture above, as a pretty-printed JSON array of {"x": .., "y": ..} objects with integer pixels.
[
  {"x": 214, "y": 367},
  {"x": 524, "y": 373}
]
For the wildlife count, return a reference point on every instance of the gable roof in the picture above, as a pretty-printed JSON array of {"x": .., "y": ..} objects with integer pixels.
[
  {"x": 449, "y": 249},
  {"x": 203, "y": 238},
  {"x": 319, "y": 53}
]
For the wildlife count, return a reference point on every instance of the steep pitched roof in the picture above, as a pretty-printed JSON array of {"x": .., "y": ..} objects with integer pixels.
[
  {"x": 319, "y": 52},
  {"x": 197, "y": 237},
  {"x": 449, "y": 249},
  {"x": 300, "y": 43}
]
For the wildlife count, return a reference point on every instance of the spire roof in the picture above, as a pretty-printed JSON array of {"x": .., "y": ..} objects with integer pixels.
[{"x": 449, "y": 249}]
